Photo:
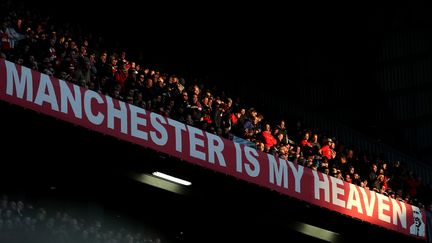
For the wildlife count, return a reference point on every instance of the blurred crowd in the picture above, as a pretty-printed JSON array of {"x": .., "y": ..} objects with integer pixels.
[{"x": 21, "y": 221}]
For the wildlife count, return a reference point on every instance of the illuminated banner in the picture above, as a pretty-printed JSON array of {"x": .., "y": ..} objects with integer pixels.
[{"x": 39, "y": 92}]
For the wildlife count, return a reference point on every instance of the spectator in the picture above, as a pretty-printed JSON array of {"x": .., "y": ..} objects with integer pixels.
[
  {"x": 316, "y": 146},
  {"x": 268, "y": 139},
  {"x": 327, "y": 150}
]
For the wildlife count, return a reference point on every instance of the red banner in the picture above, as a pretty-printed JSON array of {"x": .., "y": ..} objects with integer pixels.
[{"x": 22, "y": 86}]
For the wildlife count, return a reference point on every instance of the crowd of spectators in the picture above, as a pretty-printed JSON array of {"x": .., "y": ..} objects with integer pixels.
[
  {"x": 53, "y": 48},
  {"x": 23, "y": 222}
]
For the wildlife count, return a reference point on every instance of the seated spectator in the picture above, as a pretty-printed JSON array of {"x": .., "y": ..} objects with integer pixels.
[{"x": 268, "y": 139}]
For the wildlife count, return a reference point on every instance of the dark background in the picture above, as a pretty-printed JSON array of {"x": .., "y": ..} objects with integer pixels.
[{"x": 327, "y": 60}]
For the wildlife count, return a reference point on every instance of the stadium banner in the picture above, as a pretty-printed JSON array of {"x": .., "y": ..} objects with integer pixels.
[{"x": 37, "y": 91}]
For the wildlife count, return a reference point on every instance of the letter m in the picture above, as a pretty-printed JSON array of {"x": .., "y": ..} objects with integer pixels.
[
  {"x": 279, "y": 171},
  {"x": 20, "y": 83}
]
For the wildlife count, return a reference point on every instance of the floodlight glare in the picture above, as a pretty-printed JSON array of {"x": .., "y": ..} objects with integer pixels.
[{"x": 172, "y": 178}]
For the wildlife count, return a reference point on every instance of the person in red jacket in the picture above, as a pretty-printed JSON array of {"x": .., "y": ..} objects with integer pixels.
[
  {"x": 268, "y": 139},
  {"x": 328, "y": 150},
  {"x": 306, "y": 146},
  {"x": 121, "y": 75}
]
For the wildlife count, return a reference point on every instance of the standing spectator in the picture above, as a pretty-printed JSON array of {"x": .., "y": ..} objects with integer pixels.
[
  {"x": 373, "y": 174},
  {"x": 411, "y": 184},
  {"x": 327, "y": 150},
  {"x": 396, "y": 175},
  {"x": 316, "y": 146},
  {"x": 12, "y": 34},
  {"x": 306, "y": 145},
  {"x": 121, "y": 75}
]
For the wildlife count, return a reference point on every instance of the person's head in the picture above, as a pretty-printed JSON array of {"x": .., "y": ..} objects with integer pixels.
[
  {"x": 334, "y": 171},
  {"x": 417, "y": 215},
  {"x": 350, "y": 154},
  {"x": 229, "y": 102},
  {"x": 356, "y": 176},
  {"x": 282, "y": 124},
  {"x": 196, "y": 90},
  {"x": 374, "y": 168},
  {"x": 8, "y": 214},
  {"x": 205, "y": 101},
  {"x": 351, "y": 170},
  {"x": 219, "y": 131},
  {"x": 13, "y": 206},
  {"x": 348, "y": 177},
  {"x": 149, "y": 83},
  {"x": 397, "y": 163},
  {"x": 194, "y": 98},
  {"x": 324, "y": 164},
  {"x": 280, "y": 136},
  {"x": 333, "y": 145},
  {"x": 141, "y": 79},
  {"x": 261, "y": 147},
  {"x": 103, "y": 57},
  {"x": 113, "y": 60}
]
